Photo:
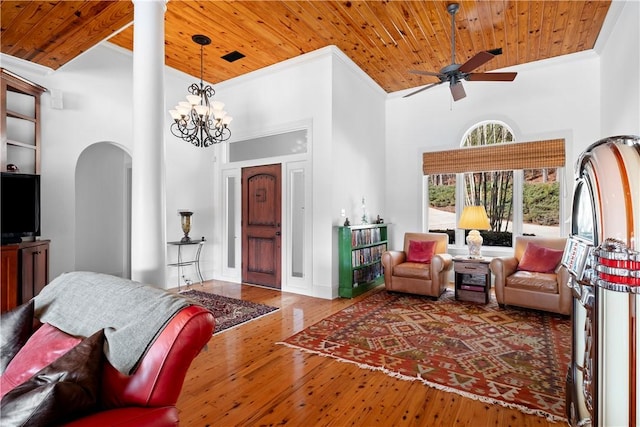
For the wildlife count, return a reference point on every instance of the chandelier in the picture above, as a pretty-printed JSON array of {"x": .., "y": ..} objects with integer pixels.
[{"x": 199, "y": 120}]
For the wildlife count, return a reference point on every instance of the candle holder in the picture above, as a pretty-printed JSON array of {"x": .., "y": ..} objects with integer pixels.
[{"x": 185, "y": 221}]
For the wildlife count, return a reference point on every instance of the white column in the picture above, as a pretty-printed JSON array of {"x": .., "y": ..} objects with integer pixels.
[{"x": 148, "y": 216}]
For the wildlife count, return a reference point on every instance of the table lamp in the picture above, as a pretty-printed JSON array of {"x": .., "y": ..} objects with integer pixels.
[{"x": 474, "y": 218}]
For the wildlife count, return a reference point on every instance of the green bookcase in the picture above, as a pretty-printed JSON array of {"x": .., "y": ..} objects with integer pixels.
[{"x": 360, "y": 249}]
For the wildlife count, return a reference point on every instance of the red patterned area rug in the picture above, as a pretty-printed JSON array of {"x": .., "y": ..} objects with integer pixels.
[
  {"x": 229, "y": 312},
  {"x": 515, "y": 358}
]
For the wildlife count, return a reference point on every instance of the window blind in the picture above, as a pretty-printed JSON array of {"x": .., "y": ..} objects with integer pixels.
[{"x": 509, "y": 156}]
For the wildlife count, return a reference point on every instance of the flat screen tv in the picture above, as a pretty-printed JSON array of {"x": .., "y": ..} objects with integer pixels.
[{"x": 20, "y": 206}]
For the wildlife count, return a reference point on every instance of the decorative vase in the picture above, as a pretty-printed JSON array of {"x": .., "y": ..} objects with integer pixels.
[{"x": 185, "y": 221}]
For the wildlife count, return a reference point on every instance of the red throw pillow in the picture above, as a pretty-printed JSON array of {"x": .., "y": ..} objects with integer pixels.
[
  {"x": 46, "y": 344},
  {"x": 539, "y": 259},
  {"x": 421, "y": 251},
  {"x": 60, "y": 392}
]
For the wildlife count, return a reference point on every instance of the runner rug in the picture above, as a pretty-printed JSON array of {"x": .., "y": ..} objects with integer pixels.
[
  {"x": 229, "y": 312},
  {"x": 516, "y": 358}
]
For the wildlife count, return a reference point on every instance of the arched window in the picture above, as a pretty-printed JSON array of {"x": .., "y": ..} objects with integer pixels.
[
  {"x": 492, "y": 189},
  {"x": 517, "y": 201}
]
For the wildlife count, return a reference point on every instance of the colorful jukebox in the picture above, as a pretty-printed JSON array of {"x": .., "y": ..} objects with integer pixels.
[{"x": 603, "y": 259}]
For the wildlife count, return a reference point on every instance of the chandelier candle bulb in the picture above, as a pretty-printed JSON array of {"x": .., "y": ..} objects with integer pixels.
[
  {"x": 201, "y": 109},
  {"x": 194, "y": 99}
]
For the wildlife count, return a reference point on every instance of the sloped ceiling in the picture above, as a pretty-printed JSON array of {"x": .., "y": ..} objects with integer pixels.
[{"x": 384, "y": 38}]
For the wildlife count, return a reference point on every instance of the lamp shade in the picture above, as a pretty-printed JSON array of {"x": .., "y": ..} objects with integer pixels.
[{"x": 474, "y": 218}]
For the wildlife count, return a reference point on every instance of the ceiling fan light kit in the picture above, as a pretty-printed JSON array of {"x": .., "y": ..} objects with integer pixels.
[{"x": 455, "y": 73}]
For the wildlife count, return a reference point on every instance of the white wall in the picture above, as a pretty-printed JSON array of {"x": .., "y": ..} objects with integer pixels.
[
  {"x": 620, "y": 68},
  {"x": 357, "y": 157},
  {"x": 189, "y": 180},
  {"x": 102, "y": 210},
  {"x": 358, "y": 144},
  {"x": 556, "y": 98}
]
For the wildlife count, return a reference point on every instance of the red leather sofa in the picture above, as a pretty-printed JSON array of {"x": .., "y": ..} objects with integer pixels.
[
  {"x": 145, "y": 397},
  {"x": 148, "y": 397}
]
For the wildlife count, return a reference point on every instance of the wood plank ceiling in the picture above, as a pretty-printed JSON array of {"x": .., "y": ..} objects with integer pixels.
[{"x": 384, "y": 38}]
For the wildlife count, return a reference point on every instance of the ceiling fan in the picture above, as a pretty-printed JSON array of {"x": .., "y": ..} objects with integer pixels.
[{"x": 455, "y": 73}]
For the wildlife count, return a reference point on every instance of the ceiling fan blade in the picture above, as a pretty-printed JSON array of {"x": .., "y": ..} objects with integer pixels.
[
  {"x": 421, "y": 89},
  {"x": 492, "y": 77},
  {"x": 477, "y": 60},
  {"x": 455, "y": 73},
  {"x": 457, "y": 91},
  {"x": 426, "y": 73}
]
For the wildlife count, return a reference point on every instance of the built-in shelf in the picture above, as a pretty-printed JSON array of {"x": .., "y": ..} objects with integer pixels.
[{"x": 20, "y": 123}]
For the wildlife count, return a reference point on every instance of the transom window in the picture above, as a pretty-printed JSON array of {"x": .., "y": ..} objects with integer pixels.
[{"x": 520, "y": 197}]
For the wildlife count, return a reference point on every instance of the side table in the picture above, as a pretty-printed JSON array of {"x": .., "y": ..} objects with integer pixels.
[
  {"x": 191, "y": 261},
  {"x": 472, "y": 279}
]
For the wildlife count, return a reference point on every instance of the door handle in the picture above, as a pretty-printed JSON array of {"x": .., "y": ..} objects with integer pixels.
[{"x": 277, "y": 233}]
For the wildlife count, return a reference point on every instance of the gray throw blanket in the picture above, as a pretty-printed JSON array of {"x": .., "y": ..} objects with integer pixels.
[{"x": 131, "y": 314}]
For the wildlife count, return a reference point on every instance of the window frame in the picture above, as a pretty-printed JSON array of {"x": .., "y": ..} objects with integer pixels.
[{"x": 459, "y": 246}]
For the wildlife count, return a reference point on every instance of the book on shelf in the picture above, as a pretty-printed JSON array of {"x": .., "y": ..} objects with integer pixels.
[
  {"x": 473, "y": 279},
  {"x": 365, "y": 236},
  {"x": 472, "y": 288},
  {"x": 367, "y": 274},
  {"x": 367, "y": 255}
]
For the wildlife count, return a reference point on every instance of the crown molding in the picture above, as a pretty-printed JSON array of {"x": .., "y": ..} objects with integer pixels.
[{"x": 22, "y": 66}]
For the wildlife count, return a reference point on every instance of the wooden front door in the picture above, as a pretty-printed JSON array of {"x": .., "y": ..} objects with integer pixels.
[{"x": 261, "y": 212}]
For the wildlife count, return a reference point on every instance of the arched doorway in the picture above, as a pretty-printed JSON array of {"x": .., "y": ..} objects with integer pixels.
[{"x": 103, "y": 210}]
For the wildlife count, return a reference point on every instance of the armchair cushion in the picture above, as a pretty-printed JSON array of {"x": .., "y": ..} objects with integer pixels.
[
  {"x": 539, "y": 259},
  {"x": 415, "y": 270},
  {"x": 421, "y": 251},
  {"x": 537, "y": 282},
  {"x": 65, "y": 389},
  {"x": 16, "y": 326}
]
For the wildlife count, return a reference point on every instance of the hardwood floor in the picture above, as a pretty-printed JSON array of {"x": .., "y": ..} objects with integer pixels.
[{"x": 245, "y": 379}]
